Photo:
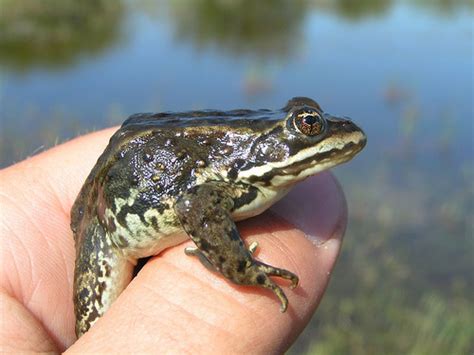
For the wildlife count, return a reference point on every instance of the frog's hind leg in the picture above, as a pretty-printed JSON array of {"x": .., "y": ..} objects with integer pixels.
[
  {"x": 100, "y": 275},
  {"x": 205, "y": 214}
]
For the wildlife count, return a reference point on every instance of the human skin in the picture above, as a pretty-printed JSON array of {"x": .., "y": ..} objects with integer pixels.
[{"x": 174, "y": 304}]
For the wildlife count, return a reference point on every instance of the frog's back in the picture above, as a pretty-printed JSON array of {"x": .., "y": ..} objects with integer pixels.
[
  {"x": 163, "y": 154},
  {"x": 252, "y": 119},
  {"x": 143, "y": 165},
  {"x": 84, "y": 205}
]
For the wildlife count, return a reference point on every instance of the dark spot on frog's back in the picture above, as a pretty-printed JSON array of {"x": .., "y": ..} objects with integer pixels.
[
  {"x": 147, "y": 157},
  {"x": 93, "y": 315},
  {"x": 134, "y": 180},
  {"x": 232, "y": 174},
  {"x": 84, "y": 293},
  {"x": 260, "y": 279},
  {"x": 154, "y": 223},
  {"x": 107, "y": 269}
]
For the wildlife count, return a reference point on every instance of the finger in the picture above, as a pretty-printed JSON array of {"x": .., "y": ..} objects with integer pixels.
[
  {"x": 176, "y": 303},
  {"x": 37, "y": 254},
  {"x": 20, "y": 332}
]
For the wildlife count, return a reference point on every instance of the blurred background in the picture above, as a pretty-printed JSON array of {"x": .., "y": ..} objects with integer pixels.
[{"x": 402, "y": 69}]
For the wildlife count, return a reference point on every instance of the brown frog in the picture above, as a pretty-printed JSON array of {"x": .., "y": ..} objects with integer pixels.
[{"x": 167, "y": 177}]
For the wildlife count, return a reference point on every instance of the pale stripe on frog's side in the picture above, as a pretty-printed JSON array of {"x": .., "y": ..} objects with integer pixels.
[{"x": 196, "y": 172}]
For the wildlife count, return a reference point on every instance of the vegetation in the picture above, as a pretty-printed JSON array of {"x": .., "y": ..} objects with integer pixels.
[{"x": 53, "y": 33}]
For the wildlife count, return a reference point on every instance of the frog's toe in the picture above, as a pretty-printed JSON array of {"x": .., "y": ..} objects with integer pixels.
[
  {"x": 253, "y": 246},
  {"x": 262, "y": 273},
  {"x": 273, "y": 271},
  {"x": 266, "y": 282},
  {"x": 193, "y": 251}
]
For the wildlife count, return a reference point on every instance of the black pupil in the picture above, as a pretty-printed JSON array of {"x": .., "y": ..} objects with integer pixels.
[{"x": 310, "y": 120}]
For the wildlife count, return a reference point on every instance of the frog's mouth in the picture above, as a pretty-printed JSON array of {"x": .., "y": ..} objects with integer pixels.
[
  {"x": 315, "y": 160},
  {"x": 343, "y": 141}
]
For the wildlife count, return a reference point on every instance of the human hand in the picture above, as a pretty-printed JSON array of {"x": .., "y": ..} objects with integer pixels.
[{"x": 174, "y": 303}]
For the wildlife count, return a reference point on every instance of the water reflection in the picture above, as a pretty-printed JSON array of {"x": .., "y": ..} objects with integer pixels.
[
  {"x": 445, "y": 7},
  {"x": 357, "y": 9},
  {"x": 267, "y": 29},
  {"x": 353, "y": 9},
  {"x": 264, "y": 28},
  {"x": 53, "y": 33}
]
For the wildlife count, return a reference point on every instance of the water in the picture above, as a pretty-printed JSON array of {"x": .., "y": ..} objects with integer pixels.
[{"x": 402, "y": 69}]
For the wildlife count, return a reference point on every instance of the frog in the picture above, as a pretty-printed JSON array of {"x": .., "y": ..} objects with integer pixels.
[{"x": 168, "y": 177}]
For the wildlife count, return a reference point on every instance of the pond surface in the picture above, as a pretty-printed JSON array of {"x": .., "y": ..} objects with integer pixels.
[{"x": 403, "y": 70}]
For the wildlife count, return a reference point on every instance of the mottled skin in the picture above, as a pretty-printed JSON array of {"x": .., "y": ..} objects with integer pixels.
[{"x": 168, "y": 176}]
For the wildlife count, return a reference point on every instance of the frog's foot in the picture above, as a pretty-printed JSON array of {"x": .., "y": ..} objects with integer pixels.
[
  {"x": 204, "y": 213},
  {"x": 258, "y": 273}
]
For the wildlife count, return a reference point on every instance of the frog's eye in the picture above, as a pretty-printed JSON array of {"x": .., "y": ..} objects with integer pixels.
[{"x": 309, "y": 123}]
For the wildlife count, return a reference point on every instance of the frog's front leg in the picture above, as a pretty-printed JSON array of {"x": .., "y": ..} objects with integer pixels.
[
  {"x": 205, "y": 214},
  {"x": 100, "y": 275}
]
